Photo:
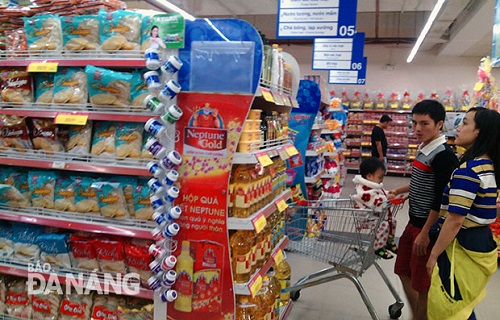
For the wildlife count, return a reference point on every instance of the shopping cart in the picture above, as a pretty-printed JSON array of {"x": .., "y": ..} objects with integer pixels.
[{"x": 333, "y": 231}]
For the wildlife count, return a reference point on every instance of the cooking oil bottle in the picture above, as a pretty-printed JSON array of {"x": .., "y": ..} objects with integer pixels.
[
  {"x": 242, "y": 192},
  {"x": 283, "y": 274},
  {"x": 241, "y": 249},
  {"x": 275, "y": 288},
  {"x": 245, "y": 308},
  {"x": 184, "y": 283}
]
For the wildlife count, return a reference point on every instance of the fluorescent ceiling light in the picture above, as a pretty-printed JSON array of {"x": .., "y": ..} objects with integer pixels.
[
  {"x": 168, "y": 6},
  {"x": 425, "y": 30}
]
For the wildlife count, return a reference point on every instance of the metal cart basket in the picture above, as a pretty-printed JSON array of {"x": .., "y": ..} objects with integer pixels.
[{"x": 334, "y": 232}]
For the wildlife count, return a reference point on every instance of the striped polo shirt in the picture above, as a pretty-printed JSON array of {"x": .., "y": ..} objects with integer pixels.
[{"x": 472, "y": 192}]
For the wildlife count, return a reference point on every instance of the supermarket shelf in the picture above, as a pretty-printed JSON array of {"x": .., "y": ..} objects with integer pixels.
[
  {"x": 353, "y": 132},
  {"x": 334, "y": 154},
  {"x": 79, "y": 221},
  {"x": 315, "y": 178},
  {"x": 379, "y": 111},
  {"x": 320, "y": 126},
  {"x": 244, "y": 288},
  {"x": 73, "y": 162},
  {"x": 314, "y": 153},
  {"x": 272, "y": 148},
  {"x": 327, "y": 131},
  {"x": 248, "y": 223},
  {"x": 89, "y": 280},
  {"x": 103, "y": 113},
  {"x": 396, "y": 156}
]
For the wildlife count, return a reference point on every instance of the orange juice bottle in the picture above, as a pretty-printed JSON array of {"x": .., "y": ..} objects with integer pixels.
[
  {"x": 283, "y": 274},
  {"x": 245, "y": 308},
  {"x": 242, "y": 192},
  {"x": 184, "y": 283},
  {"x": 275, "y": 288},
  {"x": 241, "y": 249}
]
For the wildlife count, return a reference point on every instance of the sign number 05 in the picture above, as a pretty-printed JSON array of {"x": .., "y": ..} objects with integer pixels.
[{"x": 347, "y": 31}]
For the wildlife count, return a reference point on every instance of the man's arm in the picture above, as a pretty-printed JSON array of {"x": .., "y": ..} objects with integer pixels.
[{"x": 379, "y": 150}]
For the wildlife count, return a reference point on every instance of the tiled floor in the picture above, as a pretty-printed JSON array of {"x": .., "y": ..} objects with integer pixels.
[{"x": 340, "y": 299}]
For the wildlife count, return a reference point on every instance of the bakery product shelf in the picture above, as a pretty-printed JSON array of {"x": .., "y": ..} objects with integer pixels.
[
  {"x": 79, "y": 221},
  {"x": 248, "y": 223}
]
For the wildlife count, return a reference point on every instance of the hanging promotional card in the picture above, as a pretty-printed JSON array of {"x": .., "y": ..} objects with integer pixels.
[{"x": 167, "y": 31}]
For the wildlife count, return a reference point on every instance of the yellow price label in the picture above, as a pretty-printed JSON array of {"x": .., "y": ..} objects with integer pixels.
[
  {"x": 292, "y": 151},
  {"x": 74, "y": 119},
  {"x": 278, "y": 99},
  {"x": 267, "y": 95},
  {"x": 43, "y": 67},
  {"x": 278, "y": 257},
  {"x": 394, "y": 105},
  {"x": 259, "y": 223},
  {"x": 283, "y": 154},
  {"x": 380, "y": 105},
  {"x": 255, "y": 286},
  {"x": 448, "y": 108},
  {"x": 264, "y": 159},
  {"x": 478, "y": 86},
  {"x": 281, "y": 205},
  {"x": 406, "y": 106}
]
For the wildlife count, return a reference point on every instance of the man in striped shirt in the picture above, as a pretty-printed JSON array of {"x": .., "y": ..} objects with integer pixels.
[{"x": 431, "y": 171}]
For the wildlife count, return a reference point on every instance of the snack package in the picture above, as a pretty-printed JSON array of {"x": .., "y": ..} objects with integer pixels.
[
  {"x": 367, "y": 101},
  {"x": 14, "y": 133},
  {"x": 83, "y": 253},
  {"x": 79, "y": 139},
  {"x": 128, "y": 184},
  {"x": 44, "y": 87},
  {"x": 11, "y": 197},
  {"x": 103, "y": 143},
  {"x": 16, "y": 86},
  {"x": 46, "y": 306},
  {"x": 80, "y": 32},
  {"x": 17, "y": 178},
  {"x": 145, "y": 153},
  {"x": 24, "y": 238},
  {"x": 42, "y": 185},
  {"x": 16, "y": 41},
  {"x": 137, "y": 309},
  {"x": 139, "y": 90},
  {"x": 142, "y": 204},
  {"x": 145, "y": 32},
  {"x": 3, "y": 294},
  {"x": 44, "y": 135},
  {"x": 107, "y": 87},
  {"x": 70, "y": 86},
  {"x": 6, "y": 243},
  {"x": 120, "y": 30},
  {"x": 64, "y": 194},
  {"x": 106, "y": 307},
  {"x": 54, "y": 250},
  {"x": 111, "y": 255},
  {"x": 75, "y": 307},
  {"x": 17, "y": 301},
  {"x": 43, "y": 32},
  {"x": 85, "y": 195},
  {"x": 111, "y": 199},
  {"x": 138, "y": 260},
  {"x": 129, "y": 139}
]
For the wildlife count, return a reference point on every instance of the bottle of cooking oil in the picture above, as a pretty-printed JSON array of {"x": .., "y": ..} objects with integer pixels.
[
  {"x": 268, "y": 297},
  {"x": 267, "y": 241},
  {"x": 245, "y": 308},
  {"x": 261, "y": 249},
  {"x": 240, "y": 256},
  {"x": 184, "y": 283},
  {"x": 275, "y": 288},
  {"x": 252, "y": 236},
  {"x": 283, "y": 274},
  {"x": 242, "y": 192}
]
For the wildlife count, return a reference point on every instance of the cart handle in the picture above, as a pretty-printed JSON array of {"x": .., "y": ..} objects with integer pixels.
[{"x": 398, "y": 200}]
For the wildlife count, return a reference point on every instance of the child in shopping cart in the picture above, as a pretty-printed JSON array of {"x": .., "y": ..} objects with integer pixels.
[{"x": 370, "y": 194}]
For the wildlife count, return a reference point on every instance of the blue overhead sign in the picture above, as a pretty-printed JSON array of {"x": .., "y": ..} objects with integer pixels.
[
  {"x": 316, "y": 18},
  {"x": 338, "y": 53},
  {"x": 356, "y": 75}
]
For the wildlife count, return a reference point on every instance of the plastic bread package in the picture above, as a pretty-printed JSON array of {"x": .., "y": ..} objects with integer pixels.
[
  {"x": 111, "y": 255},
  {"x": 120, "y": 30},
  {"x": 106, "y": 307},
  {"x": 139, "y": 90},
  {"x": 137, "y": 309},
  {"x": 111, "y": 199},
  {"x": 145, "y": 33},
  {"x": 11, "y": 197},
  {"x": 16, "y": 86},
  {"x": 138, "y": 260},
  {"x": 142, "y": 206},
  {"x": 108, "y": 87},
  {"x": 54, "y": 250},
  {"x": 18, "y": 178},
  {"x": 17, "y": 301},
  {"x": 145, "y": 153},
  {"x": 42, "y": 186},
  {"x": 70, "y": 87},
  {"x": 43, "y": 33},
  {"x": 6, "y": 243},
  {"x": 44, "y": 87},
  {"x": 75, "y": 307},
  {"x": 85, "y": 195},
  {"x": 79, "y": 139},
  {"x": 129, "y": 139},
  {"x": 46, "y": 306},
  {"x": 83, "y": 253},
  {"x": 64, "y": 194},
  {"x": 128, "y": 184},
  {"x": 104, "y": 140},
  {"x": 44, "y": 135},
  {"x": 80, "y": 32},
  {"x": 25, "y": 247},
  {"x": 14, "y": 134}
]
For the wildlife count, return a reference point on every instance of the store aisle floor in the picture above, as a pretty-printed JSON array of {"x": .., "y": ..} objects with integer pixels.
[{"x": 340, "y": 300}]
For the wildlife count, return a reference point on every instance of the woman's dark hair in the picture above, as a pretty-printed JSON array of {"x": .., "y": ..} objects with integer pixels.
[
  {"x": 433, "y": 108},
  {"x": 488, "y": 140},
  {"x": 370, "y": 166},
  {"x": 151, "y": 31}
]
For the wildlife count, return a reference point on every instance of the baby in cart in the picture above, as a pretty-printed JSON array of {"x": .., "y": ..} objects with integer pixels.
[{"x": 370, "y": 194}]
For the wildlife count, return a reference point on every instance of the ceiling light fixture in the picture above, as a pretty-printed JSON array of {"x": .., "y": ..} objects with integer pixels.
[
  {"x": 426, "y": 29},
  {"x": 168, "y": 6}
]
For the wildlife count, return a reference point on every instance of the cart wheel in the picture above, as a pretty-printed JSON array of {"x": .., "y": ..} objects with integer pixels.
[
  {"x": 395, "y": 310},
  {"x": 295, "y": 295}
]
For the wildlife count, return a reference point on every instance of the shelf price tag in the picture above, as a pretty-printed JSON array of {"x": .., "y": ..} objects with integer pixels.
[
  {"x": 43, "y": 67},
  {"x": 267, "y": 95},
  {"x": 70, "y": 118},
  {"x": 255, "y": 286},
  {"x": 58, "y": 165},
  {"x": 278, "y": 99},
  {"x": 281, "y": 205},
  {"x": 286, "y": 101},
  {"x": 259, "y": 222},
  {"x": 283, "y": 154},
  {"x": 264, "y": 159},
  {"x": 291, "y": 150},
  {"x": 278, "y": 257}
]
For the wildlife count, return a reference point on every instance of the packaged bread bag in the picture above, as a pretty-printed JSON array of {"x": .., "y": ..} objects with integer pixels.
[
  {"x": 108, "y": 87},
  {"x": 80, "y": 32},
  {"x": 70, "y": 86},
  {"x": 14, "y": 133},
  {"x": 104, "y": 140},
  {"x": 16, "y": 86},
  {"x": 120, "y": 30},
  {"x": 43, "y": 33},
  {"x": 44, "y": 135}
]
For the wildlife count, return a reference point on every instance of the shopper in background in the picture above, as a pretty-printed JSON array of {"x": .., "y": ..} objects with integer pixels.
[
  {"x": 370, "y": 194},
  {"x": 379, "y": 141},
  {"x": 431, "y": 171},
  {"x": 465, "y": 252}
]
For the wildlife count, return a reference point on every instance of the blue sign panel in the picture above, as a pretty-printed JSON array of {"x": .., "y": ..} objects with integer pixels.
[
  {"x": 357, "y": 74},
  {"x": 338, "y": 53}
]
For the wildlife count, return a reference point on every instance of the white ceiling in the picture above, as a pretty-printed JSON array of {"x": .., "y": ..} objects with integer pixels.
[{"x": 463, "y": 27}]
